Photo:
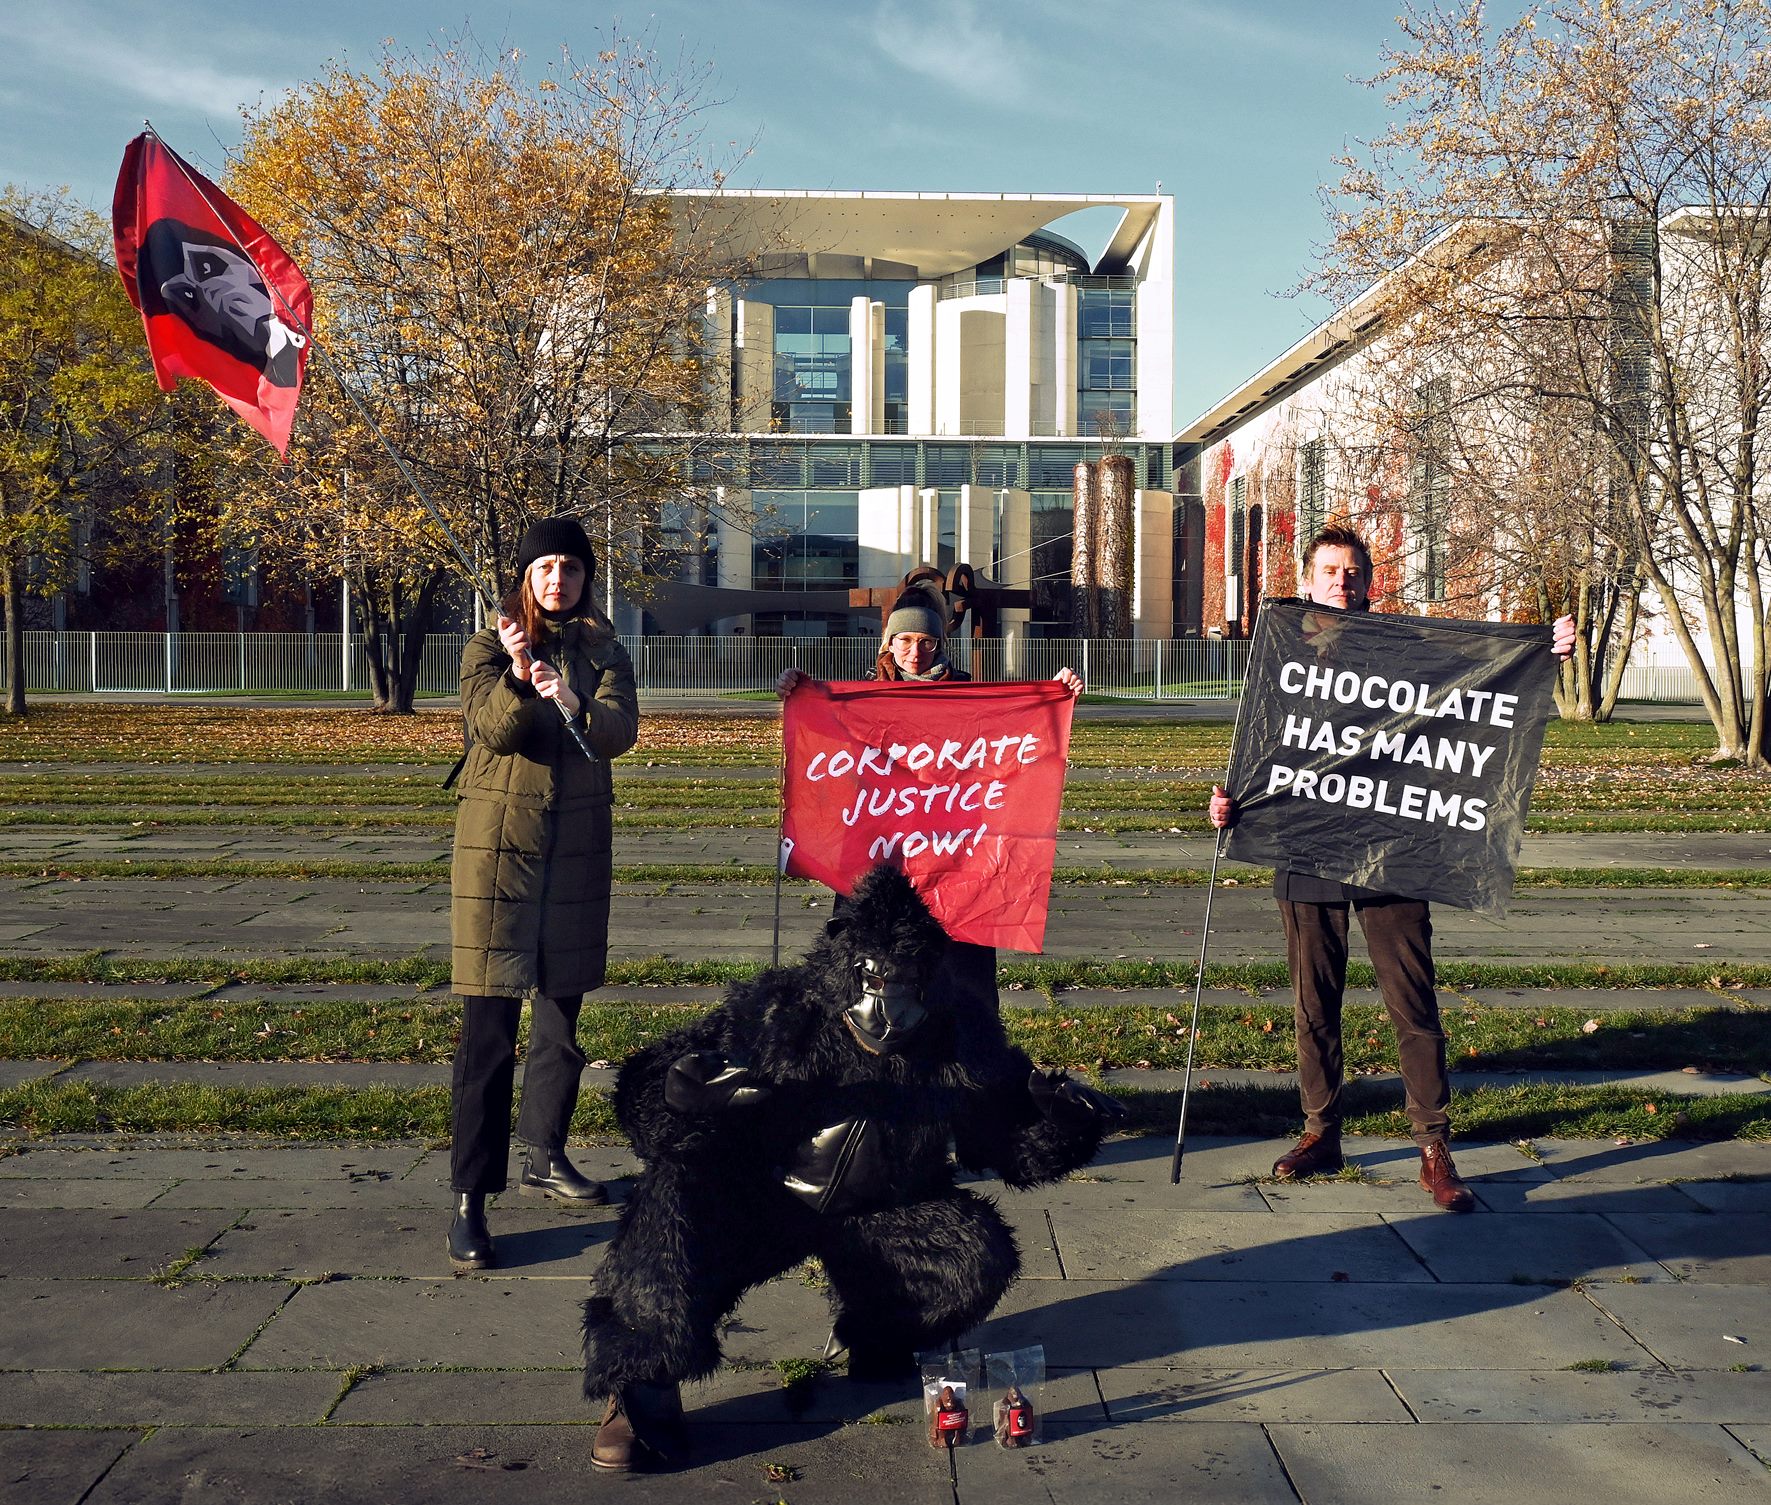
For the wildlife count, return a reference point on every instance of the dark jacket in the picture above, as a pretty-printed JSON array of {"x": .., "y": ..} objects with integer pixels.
[{"x": 532, "y": 867}]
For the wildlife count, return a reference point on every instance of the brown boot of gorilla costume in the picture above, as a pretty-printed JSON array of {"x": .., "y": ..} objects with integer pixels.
[{"x": 642, "y": 1428}]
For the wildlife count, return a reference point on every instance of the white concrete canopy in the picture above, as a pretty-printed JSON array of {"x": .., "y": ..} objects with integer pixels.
[{"x": 936, "y": 233}]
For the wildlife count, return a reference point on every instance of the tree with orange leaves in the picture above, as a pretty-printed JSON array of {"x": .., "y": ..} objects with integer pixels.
[{"x": 512, "y": 293}]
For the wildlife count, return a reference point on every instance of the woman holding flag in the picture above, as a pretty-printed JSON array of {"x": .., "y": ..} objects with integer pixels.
[{"x": 532, "y": 870}]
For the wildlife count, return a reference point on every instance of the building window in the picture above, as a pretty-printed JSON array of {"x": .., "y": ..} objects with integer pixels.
[
  {"x": 1106, "y": 360},
  {"x": 1312, "y": 490},
  {"x": 806, "y": 540},
  {"x": 1238, "y": 529},
  {"x": 1429, "y": 500}
]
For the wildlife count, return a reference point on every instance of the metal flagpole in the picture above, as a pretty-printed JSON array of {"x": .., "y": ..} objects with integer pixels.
[{"x": 481, "y": 585}]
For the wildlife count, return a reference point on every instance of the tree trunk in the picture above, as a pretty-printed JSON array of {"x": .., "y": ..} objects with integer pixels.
[
  {"x": 417, "y": 628},
  {"x": 1085, "y": 597},
  {"x": 371, "y": 625},
  {"x": 15, "y": 641}
]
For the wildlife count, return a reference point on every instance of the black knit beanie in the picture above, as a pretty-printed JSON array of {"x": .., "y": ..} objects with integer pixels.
[{"x": 555, "y": 535}]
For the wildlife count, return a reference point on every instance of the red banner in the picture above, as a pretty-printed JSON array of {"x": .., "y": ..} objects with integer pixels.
[
  {"x": 958, "y": 785},
  {"x": 220, "y": 299}
]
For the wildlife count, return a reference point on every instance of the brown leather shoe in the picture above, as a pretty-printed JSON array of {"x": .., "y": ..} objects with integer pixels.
[
  {"x": 642, "y": 1428},
  {"x": 1439, "y": 1176},
  {"x": 1313, "y": 1155}
]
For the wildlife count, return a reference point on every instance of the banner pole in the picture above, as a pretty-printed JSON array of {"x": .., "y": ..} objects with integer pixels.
[
  {"x": 1223, "y": 836},
  {"x": 1174, "y": 1167},
  {"x": 482, "y": 587}
]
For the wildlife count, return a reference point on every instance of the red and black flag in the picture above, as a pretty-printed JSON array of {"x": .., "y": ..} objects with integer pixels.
[{"x": 220, "y": 299}]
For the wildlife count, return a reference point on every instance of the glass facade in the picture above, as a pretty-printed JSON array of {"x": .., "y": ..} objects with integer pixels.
[
  {"x": 806, "y": 496},
  {"x": 813, "y": 386}
]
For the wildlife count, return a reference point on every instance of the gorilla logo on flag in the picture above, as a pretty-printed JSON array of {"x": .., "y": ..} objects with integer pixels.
[{"x": 217, "y": 293}]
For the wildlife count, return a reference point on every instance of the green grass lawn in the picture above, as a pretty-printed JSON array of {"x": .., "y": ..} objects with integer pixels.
[{"x": 134, "y": 769}]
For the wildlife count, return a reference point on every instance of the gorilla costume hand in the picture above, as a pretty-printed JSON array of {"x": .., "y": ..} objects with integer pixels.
[
  {"x": 1061, "y": 1097},
  {"x": 704, "y": 1081}
]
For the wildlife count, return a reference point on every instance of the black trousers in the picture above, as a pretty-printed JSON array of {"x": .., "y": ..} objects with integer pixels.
[
  {"x": 485, "y": 1072},
  {"x": 1399, "y": 936}
]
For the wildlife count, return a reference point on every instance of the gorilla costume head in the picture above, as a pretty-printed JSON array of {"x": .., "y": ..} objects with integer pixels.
[{"x": 893, "y": 947}]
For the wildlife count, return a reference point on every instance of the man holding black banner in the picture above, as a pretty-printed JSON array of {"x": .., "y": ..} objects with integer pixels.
[{"x": 1398, "y": 934}]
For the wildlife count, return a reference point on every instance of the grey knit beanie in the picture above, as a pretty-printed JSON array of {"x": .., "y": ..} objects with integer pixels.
[{"x": 916, "y": 611}]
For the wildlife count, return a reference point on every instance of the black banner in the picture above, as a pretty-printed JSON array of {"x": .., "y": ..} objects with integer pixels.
[{"x": 1395, "y": 753}]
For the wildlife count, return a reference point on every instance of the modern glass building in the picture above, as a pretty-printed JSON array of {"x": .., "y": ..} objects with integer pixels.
[{"x": 913, "y": 378}]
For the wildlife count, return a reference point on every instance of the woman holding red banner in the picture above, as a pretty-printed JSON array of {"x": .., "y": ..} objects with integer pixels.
[
  {"x": 529, "y": 910},
  {"x": 913, "y": 649}
]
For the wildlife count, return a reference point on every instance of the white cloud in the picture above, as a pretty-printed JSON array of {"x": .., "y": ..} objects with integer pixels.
[
  {"x": 947, "y": 41},
  {"x": 130, "y": 66}
]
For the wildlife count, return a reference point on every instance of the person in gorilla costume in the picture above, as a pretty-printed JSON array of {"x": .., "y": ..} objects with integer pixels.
[{"x": 811, "y": 1114}]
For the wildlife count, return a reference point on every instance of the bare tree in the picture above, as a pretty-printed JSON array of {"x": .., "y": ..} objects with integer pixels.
[{"x": 1566, "y": 223}]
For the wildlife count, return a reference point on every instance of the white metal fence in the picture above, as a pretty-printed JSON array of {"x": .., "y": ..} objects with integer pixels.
[{"x": 209, "y": 663}]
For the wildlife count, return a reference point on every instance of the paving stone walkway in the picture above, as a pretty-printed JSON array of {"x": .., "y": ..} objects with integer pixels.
[{"x": 253, "y": 1321}]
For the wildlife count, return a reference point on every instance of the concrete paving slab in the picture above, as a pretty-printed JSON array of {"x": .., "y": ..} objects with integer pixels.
[
  {"x": 1599, "y": 1001},
  {"x": 295, "y": 993},
  {"x": 82, "y": 1398},
  {"x": 1540, "y": 1465},
  {"x": 751, "y": 1396},
  {"x": 600, "y": 1161},
  {"x": 1329, "y": 1194},
  {"x": 1250, "y": 1395},
  {"x": 246, "y": 1074},
  {"x": 296, "y": 1245},
  {"x": 1525, "y": 1249},
  {"x": 1210, "y": 1160},
  {"x": 552, "y": 1397},
  {"x": 17, "y": 1073},
  {"x": 58, "y": 1191},
  {"x": 1654, "y": 1160},
  {"x": 1178, "y": 1001},
  {"x": 338, "y": 1465},
  {"x": 486, "y": 1322},
  {"x": 1756, "y": 1437},
  {"x": 1701, "y": 1246},
  {"x": 1746, "y": 1194},
  {"x": 1028, "y": 1219},
  {"x": 1399, "y": 1160},
  {"x": 1107, "y": 1196},
  {"x": 131, "y": 1324},
  {"x": 83, "y": 1243},
  {"x": 1581, "y": 1196},
  {"x": 366, "y": 1191},
  {"x": 659, "y": 997},
  {"x": 1648, "y": 1394},
  {"x": 1099, "y": 1324},
  {"x": 56, "y": 1468},
  {"x": 67, "y": 1156},
  {"x": 1152, "y": 1244},
  {"x": 1221, "y": 1463},
  {"x": 97, "y": 991},
  {"x": 1688, "y": 1325}
]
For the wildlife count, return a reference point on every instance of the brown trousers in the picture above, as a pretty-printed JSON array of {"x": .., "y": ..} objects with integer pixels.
[{"x": 1399, "y": 937}]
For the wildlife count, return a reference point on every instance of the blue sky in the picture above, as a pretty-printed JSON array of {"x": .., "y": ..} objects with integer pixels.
[{"x": 1236, "y": 107}]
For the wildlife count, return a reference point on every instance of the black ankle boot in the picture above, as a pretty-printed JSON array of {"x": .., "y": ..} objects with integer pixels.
[
  {"x": 548, "y": 1173},
  {"x": 470, "y": 1240}
]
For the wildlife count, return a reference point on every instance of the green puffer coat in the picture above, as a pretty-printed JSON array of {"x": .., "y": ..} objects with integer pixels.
[{"x": 532, "y": 868}]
